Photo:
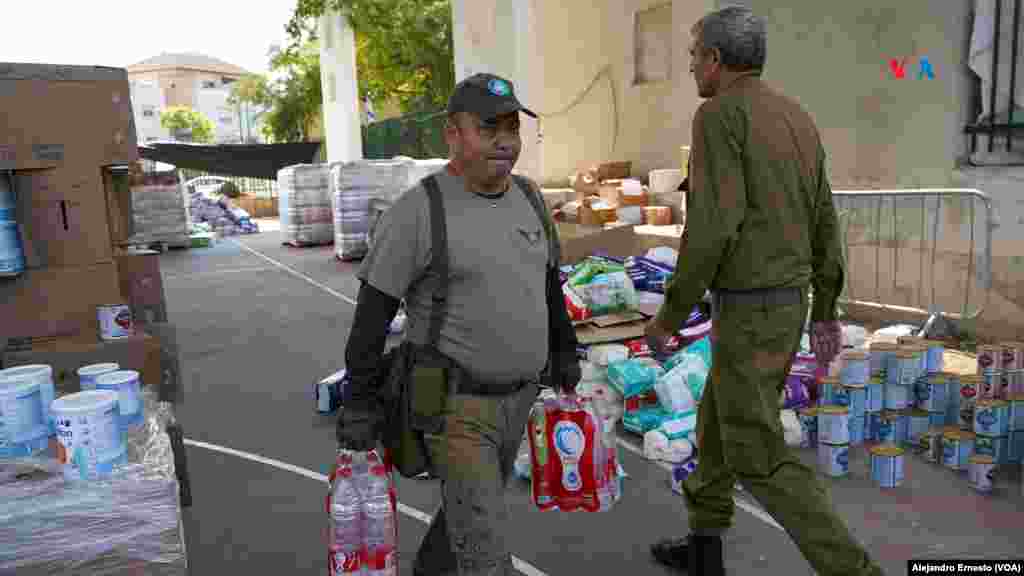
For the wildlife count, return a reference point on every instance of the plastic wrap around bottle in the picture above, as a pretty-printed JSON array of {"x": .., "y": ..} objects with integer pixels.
[
  {"x": 362, "y": 510},
  {"x": 574, "y": 462}
]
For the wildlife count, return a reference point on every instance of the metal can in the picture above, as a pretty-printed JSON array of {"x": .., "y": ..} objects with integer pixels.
[
  {"x": 998, "y": 447},
  {"x": 936, "y": 352},
  {"x": 887, "y": 466},
  {"x": 906, "y": 367},
  {"x": 880, "y": 353},
  {"x": 809, "y": 425},
  {"x": 992, "y": 418},
  {"x": 856, "y": 368},
  {"x": 875, "y": 395},
  {"x": 936, "y": 419},
  {"x": 115, "y": 321},
  {"x": 872, "y": 421},
  {"x": 840, "y": 396},
  {"x": 1015, "y": 383},
  {"x": 1017, "y": 447},
  {"x": 931, "y": 393},
  {"x": 931, "y": 445},
  {"x": 981, "y": 472},
  {"x": 970, "y": 385},
  {"x": 834, "y": 459},
  {"x": 989, "y": 358},
  {"x": 919, "y": 423},
  {"x": 857, "y": 395},
  {"x": 886, "y": 431},
  {"x": 897, "y": 397},
  {"x": 991, "y": 384},
  {"x": 957, "y": 446},
  {"x": 952, "y": 398},
  {"x": 856, "y": 430},
  {"x": 826, "y": 397},
  {"x": 834, "y": 425},
  {"x": 1017, "y": 413}
]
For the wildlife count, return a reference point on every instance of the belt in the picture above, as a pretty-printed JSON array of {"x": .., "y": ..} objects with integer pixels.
[
  {"x": 759, "y": 297},
  {"x": 464, "y": 383}
]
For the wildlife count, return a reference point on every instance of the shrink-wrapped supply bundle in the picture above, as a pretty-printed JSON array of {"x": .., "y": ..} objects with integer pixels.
[
  {"x": 159, "y": 214},
  {"x": 305, "y": 205},
  {"x": 353, "y": 186}
]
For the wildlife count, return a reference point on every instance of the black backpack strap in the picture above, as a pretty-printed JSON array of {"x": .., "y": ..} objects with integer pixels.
[
  {"x": 439, "y": 258},
  {"x": 533, "y": 195}
]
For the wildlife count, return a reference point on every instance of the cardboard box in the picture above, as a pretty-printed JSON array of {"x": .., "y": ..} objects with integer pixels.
[
  {"x": 140, "y": 353},
  {"x": 57, "y": 301},
  {"x": 611, "y": 192},
  {"x": 142, "y": 286},
  {"x": 648, "y": 237},
  {"x": 579, "y": 241},
  {"x": 63, "y": 217},
  {"x": 53, "y": 115}
]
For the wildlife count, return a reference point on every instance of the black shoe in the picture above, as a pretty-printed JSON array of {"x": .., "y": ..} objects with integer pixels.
[{"x": 694, "y": 555}]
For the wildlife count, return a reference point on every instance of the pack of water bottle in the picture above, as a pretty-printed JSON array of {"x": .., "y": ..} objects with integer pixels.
[
  {"x": 362, "y": 513},
  {"x": 573, "y": 455}
]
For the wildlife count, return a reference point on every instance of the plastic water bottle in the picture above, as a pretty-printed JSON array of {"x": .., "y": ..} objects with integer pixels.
[
  {"x": 380, "y": 532},
  {"x": 346, "y": 523}
]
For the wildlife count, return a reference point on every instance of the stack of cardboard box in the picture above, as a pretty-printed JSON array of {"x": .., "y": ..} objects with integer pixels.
[{"x": 67, "y": 136}]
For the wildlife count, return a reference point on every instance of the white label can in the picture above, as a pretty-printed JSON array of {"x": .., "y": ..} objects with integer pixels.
[
  {"x": 981, "y": 472},
  {"x": 115, "y": 321},
  {"x": 834, "y": 425}
]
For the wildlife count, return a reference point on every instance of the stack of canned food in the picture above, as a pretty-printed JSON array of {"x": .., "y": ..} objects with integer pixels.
[{"x": 898, "y": 396}]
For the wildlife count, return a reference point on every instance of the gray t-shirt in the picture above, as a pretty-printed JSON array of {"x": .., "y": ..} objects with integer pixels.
[{"x": 496, "y": 319}]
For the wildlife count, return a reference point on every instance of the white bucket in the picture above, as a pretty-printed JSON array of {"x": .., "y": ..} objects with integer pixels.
[
  {"x": 23, "y": 430},
  {"x": 87, "y": 375},
  {"x": 129, "y": 395},
  {"x": 42, "y": 375},
  {"x": 91, "y": 442},
  {"x": 665, "y": 181}
]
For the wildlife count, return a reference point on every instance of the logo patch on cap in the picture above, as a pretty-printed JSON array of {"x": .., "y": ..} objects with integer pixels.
[{"x": 498, "y": 87}]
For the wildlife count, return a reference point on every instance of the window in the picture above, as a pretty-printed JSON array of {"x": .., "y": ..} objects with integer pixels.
[
  {"x": 209, "y": 84},
  {"x": 332, "y": 88},
  {"x": 226, "y": 120},
  {"x": 148, "y": 112},
  {"x": 652, "y": 45},
  {"x": 225, "y": 81}
]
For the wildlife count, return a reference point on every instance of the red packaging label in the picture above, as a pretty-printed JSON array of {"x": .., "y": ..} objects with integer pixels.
[
  {"x": 639, "y": 348},
  {"x": 341, "y": 563},
  {"x": 575, "y": 305},
  {"x": 571, "y": 441}
]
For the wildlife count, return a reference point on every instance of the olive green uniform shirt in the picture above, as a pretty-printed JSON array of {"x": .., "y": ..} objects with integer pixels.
[{"x": 759, "y": 209}]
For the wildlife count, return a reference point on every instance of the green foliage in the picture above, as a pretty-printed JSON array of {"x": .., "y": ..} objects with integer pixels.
[
  {"x": 252, "y": 89},
  {"x": 403, "y": 47},
  {"x": 182, "y": 119},
  {"x": 294, "y": 97}
]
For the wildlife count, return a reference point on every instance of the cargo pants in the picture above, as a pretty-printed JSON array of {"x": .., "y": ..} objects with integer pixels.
[
  {"x": 740, "y": 438},
  {"x": 473, "y": 457}
]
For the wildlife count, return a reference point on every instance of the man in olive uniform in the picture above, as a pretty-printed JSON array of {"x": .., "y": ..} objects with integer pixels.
[
  {"x": 504, "y": 323},
  {"x": 761, "y": 230}
]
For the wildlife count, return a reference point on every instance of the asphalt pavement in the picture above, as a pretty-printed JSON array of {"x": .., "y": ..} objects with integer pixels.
[{"x": 259, "y": 322}]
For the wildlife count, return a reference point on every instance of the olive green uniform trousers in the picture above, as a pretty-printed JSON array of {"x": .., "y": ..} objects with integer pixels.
[
  {"x": 473, "y": 457},
  {"x": 740, "y": 438}
]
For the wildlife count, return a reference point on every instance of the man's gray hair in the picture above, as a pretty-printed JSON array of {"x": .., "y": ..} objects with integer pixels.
[{"x": 738, "y": 34}]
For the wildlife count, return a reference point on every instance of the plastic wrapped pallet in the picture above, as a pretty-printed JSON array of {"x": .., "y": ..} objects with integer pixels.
[
  {"x": 128, "y": 524},
  {"x": 159, "y": 213},
  {"x": 418, "y": 170},
  {"x": 305, "y": 205},
  {"x": 353, "y": 186}
]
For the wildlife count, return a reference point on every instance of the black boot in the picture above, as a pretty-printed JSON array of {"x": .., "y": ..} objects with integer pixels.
[{"x": 693, "y": 555}]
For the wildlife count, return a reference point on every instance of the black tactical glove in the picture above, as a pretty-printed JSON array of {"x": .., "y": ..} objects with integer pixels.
[
  {"x": 358, "y": 427},
  {"x": 570, "y": 376}
]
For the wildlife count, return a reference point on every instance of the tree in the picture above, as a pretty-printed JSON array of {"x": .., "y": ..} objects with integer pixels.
[
  {"x": 294, "y": 98},
  {"x": 186, "y": 122},
  {"x": 251, "y": 89},
  {"x": 403, "y": 47}
]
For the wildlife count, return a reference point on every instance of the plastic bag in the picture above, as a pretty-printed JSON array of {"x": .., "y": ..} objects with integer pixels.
[
  {"x": 643, "y": 420},
  {"x": 658, "y": 447},
  {"x": 609, "y": 293},
  {"x": 633, "y": 377},
  {"x": 573, "y": 468},
  {"x": 649, "y": 275},
  {"x": 681, "y": 388}
]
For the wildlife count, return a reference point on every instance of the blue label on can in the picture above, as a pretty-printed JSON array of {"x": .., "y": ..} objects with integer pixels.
[{"x": 843, "y": 459}]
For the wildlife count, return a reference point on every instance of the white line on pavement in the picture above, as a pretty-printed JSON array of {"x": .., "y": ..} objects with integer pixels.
[
  {"x": 743, "y": 504},
  {"x": 216, "y": 273},
  {"x": 296, "y": 273},
  {"x": 520, "y": 565}
]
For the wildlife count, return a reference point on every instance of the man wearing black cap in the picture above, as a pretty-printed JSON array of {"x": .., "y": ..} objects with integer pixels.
[{"x": 503, "y": 324}]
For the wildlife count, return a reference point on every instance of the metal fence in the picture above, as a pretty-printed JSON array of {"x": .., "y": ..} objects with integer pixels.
[
  {"x": 258, "y": 187},
  {"x": 416, "y": 136},
  {"x": 926, "y": 251}
]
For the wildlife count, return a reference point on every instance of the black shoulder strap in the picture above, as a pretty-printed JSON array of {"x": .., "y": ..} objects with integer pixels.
[
  {"x": 439, "y": 257},
  {"x": 533, "y": 196}
]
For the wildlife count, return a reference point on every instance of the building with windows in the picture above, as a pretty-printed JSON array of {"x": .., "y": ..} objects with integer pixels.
[{"x": 200, "y": 82}]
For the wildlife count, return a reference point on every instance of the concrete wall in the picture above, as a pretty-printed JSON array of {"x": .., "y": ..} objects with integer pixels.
[{"x": 147, "y": 103}]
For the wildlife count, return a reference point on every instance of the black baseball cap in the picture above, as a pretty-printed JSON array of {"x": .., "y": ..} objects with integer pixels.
[{"x": 486, "y": 96}]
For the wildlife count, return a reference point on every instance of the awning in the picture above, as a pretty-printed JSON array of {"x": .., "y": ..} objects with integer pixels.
[{"x": 246, "y": 160}]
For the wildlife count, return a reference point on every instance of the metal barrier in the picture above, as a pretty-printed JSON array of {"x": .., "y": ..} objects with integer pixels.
[
  {"x": 258, "y": 187},
  {"x": 861, "y": 211}
]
